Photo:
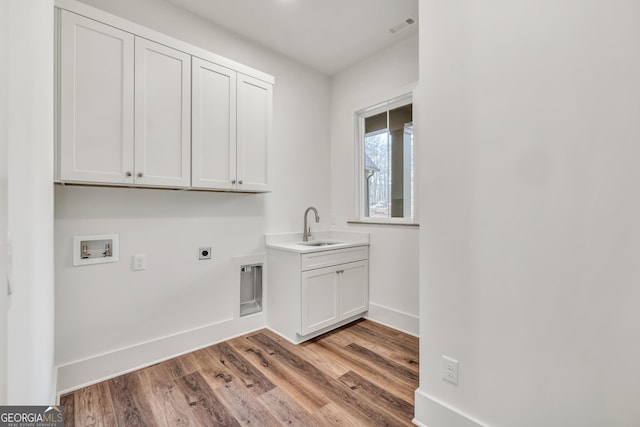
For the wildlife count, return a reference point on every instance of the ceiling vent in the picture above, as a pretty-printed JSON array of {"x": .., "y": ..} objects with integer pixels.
[{"x": 403, "y": 25}]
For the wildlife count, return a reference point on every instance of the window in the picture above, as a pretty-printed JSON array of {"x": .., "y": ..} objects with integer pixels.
[{"x": 385, "y": 157}]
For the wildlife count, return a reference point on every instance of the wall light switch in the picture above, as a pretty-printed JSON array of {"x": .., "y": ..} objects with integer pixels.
[{"x": 139, "y": 262}]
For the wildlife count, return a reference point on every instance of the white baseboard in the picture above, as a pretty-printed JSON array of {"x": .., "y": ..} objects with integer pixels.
[
  {"x": 404, "y": 322},
  {"x": 98, "y": 368},
  {"x": 429, "y": 412},
  {"x": 81, "y": 373}
]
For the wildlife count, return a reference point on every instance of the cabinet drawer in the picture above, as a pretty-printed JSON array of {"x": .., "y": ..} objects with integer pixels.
[{"x": 332, "y": 257}]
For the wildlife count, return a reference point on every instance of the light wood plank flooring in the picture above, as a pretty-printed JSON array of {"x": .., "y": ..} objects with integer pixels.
[{"x": 363, "y": 374}]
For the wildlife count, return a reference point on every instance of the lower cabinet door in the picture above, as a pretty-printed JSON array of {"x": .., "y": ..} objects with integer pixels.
[
  {"x": 332, "y": 294},
  {"x": 354, "y": 288},
  {"x": 319, "y": 299}
]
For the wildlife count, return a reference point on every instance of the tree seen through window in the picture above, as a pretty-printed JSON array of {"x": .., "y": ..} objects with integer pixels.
[{"x": 388, "y": 164}]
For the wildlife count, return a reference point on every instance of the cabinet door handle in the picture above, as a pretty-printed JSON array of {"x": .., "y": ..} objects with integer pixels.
[
  {"x": 233, "y": 181},
  {"x": 140, "y": 174},
  {"x": 128, "y": 173},
  {"x": 340, "y": 271},
  {"x": 240, "y": 182}
]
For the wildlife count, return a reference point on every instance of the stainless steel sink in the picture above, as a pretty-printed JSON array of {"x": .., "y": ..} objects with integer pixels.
[{"x": 318, "y": 243}]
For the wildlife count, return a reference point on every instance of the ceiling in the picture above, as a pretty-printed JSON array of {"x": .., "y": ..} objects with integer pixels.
[{"x": 328, "y": 35}]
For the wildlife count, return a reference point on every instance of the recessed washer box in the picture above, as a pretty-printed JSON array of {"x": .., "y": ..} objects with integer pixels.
[{"x": 97, "y": 249}]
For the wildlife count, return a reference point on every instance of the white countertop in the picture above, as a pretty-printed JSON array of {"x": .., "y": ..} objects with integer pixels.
[{"x": 292, "y": 241}]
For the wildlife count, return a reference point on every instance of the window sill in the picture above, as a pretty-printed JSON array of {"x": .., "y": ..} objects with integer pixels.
[{"x": 382, "y": 222}]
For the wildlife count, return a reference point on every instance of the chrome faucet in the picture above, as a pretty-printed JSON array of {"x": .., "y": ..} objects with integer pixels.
[{"x": 307, "y": 231}]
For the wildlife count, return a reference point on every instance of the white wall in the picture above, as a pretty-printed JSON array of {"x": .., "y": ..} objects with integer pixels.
[
  {"x": 394, "y": 249},
  {"x": 106, "y": 310},
  {"x": 30, "y": 202},
  {"x": 530, "y": 206},
  {"x": 4, "y": 165}
]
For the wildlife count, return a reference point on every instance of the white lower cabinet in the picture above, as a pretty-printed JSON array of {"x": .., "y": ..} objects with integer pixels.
[
  {"x": 319, "y": 299},
  {"x": 311, "y": 293},
  {"x": 354, "y": 289},
  {"x": 332, "y": 294}
]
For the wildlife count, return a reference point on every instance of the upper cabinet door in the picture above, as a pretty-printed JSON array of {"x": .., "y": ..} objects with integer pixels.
[
  {"x": 254, "y": 133},
  {"x": 96, "y": 102},
  {"x": 213, "y": 126},
  {"x": 162, "y": 115}
]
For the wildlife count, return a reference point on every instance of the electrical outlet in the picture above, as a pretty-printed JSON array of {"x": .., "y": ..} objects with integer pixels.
[
  {"x": 449, "y": 369},
  {"x": 204, "y": 253},
  {"x": 139, "y": 262}
]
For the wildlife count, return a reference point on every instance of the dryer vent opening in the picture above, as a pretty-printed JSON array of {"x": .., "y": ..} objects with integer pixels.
[{"x": 250, "y": 289}]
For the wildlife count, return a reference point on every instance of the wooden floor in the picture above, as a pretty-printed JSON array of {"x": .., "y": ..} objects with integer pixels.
[{"x": 363, "y": 374}]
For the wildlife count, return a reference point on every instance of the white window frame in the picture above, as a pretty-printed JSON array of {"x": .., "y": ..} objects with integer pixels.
[{"x": 360, "y": 116}]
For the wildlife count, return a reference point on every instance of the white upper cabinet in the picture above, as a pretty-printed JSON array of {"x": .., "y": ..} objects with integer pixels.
[
  {"x": 162, "y": 115},
  {"x": 125, "y": 107},
  {"x": 136, "y": 107},
  {"x": 95, "y": 102},
  {"x": 213, "y": 140},
  {"x": 255, "y": 99},
  {"x": 231, "y": 129}
]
